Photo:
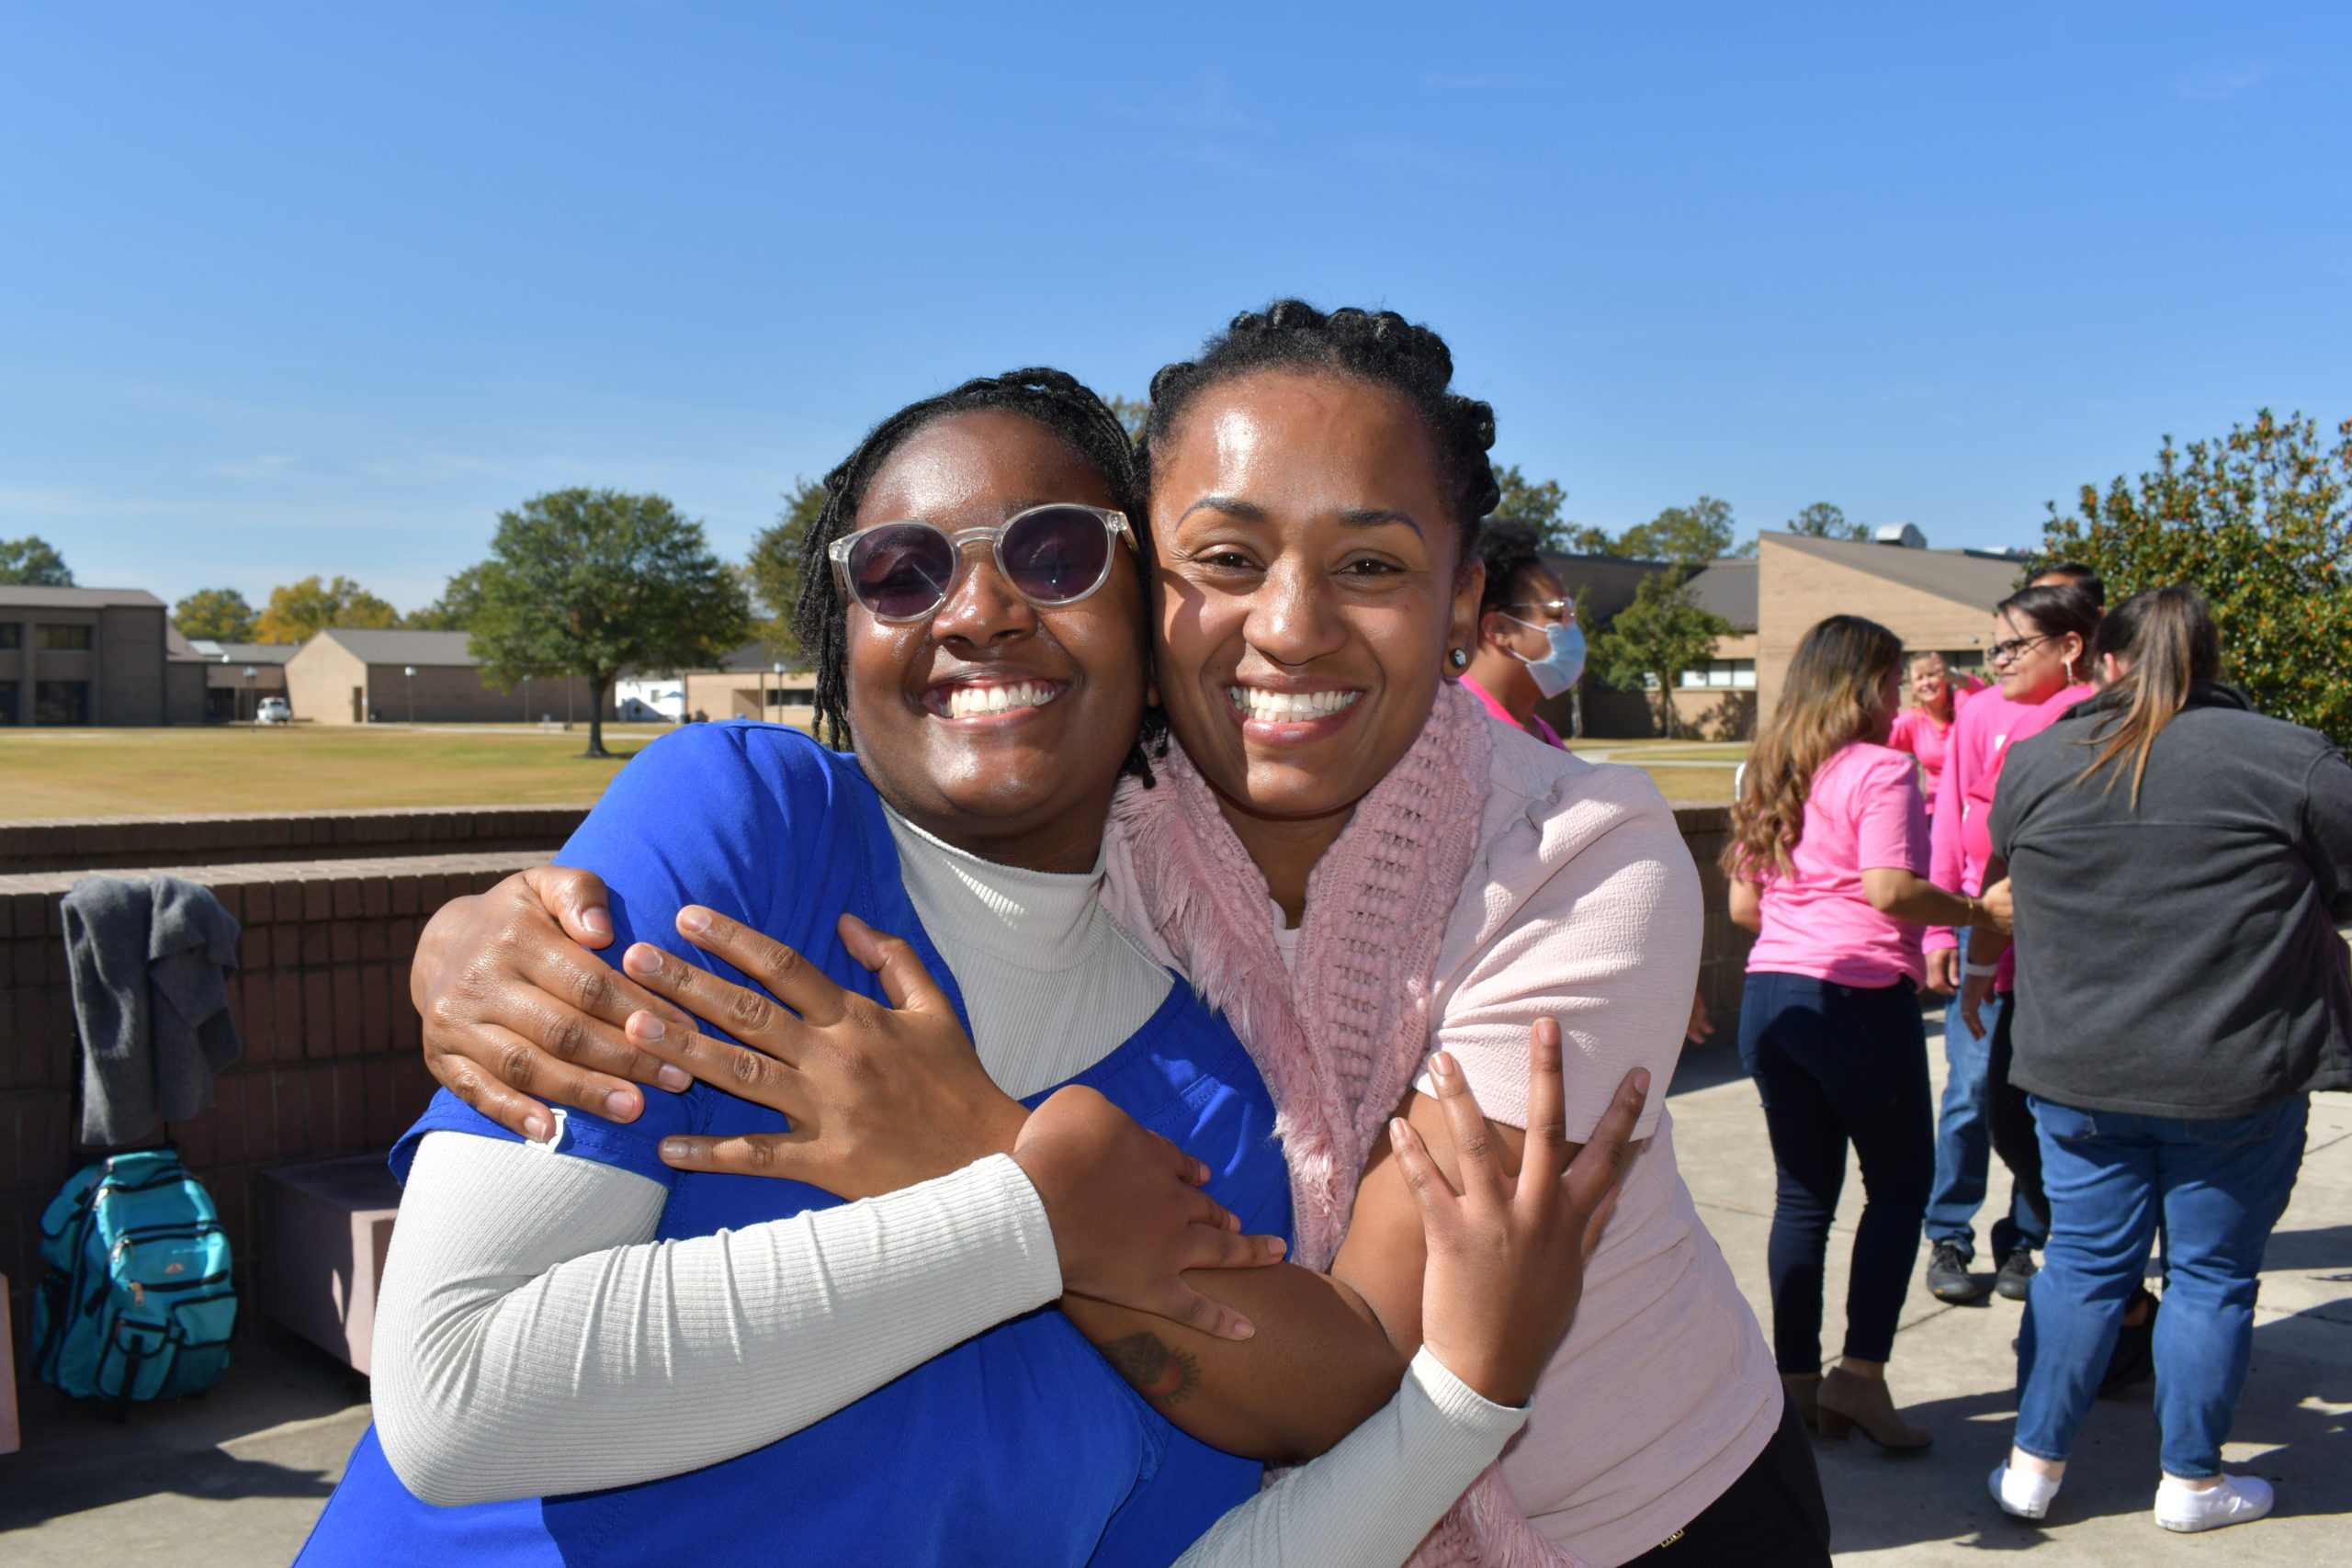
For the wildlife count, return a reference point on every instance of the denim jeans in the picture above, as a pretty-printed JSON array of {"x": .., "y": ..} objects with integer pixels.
[
  {"x": 1837, "y": 1065},
  {"x": 2217, "y": 1187},
  {"x": 1964, "y": 1143}
]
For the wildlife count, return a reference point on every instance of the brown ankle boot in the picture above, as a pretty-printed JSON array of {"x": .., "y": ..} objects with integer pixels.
[
  {"x": 1847, "y": 1402},
  {"x": 1804, "y": 1388}
]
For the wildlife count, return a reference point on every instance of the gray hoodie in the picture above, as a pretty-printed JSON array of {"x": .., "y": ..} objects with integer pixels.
[{"x": 2180, "y": 960}]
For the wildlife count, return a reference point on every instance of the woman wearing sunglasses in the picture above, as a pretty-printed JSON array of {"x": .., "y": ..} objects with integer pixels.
[
  {"x": 703, "y": 1347},
  {"x": 1305, "y": 860}
]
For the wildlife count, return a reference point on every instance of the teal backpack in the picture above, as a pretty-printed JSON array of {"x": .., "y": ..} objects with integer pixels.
[{"x": 139, "y": 1304}]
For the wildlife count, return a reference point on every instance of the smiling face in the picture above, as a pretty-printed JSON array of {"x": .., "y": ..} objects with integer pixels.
[
  {"x": 994, "y": 725},
  {"x": 1931, "y": 683},
  {"x": 1307, "y": 591},
  {"x": 2040, "y": 666}
]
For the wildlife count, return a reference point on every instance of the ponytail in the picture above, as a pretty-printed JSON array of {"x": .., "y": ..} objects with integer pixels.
[{"x": 2166, "y": 640}]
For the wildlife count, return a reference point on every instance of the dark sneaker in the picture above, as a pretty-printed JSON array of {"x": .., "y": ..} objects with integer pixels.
[
  {"x": 2134, "y": 1361},
  {"x": 1948, "y": 1276},
  {"x": 2015, "y": 1281}
]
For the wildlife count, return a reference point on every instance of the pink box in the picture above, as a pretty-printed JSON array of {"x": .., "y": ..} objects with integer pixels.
[{"x": 323, "y": 1230}]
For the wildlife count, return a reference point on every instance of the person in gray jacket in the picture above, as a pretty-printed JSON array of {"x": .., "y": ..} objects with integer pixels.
[{"x": 2170, "y": 1055}]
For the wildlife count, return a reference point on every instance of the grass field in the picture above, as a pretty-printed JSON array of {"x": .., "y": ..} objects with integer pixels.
[
  {"x": 156, "y": 773},
  {"x": 152, "y": 772}
]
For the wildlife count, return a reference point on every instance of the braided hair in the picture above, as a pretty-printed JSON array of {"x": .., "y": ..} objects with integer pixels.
[
  {"x": 1053, "y": 398},
  {"x": 1379, "y": 348},
  {"x": 1512, "y": 550}
]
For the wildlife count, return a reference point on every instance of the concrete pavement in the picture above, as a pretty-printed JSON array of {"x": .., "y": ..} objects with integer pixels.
[{"x": 234, "y": 1480}]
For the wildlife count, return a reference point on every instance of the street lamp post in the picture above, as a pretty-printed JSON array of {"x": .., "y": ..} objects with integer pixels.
[
  {"x": 250, "y": 704},
  {"x": 779, "y": 691},
  {"x": 527, "y": 699},
  {"x": 410, "y": 671}
]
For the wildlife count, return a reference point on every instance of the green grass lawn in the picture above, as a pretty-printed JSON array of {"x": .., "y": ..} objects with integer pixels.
[
  {"x": 302, "y": 767},
  {"x": 171, "y": 770}
]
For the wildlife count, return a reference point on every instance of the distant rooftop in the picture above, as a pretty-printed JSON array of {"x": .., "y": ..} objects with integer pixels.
[
  {"x": 19, "y": 595},
  {"x": 213, "y": 652},
  {"x": 375, "y": 645},
  {"x": 1976, "y": 577},
  {"x": 1727, "y": 588}
]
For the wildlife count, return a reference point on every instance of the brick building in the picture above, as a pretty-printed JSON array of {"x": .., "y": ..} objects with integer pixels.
[
  {"x": 354, "y": 675},
  {"x": 79, "y": 656},
  {"x": 1939, "y": 600}
]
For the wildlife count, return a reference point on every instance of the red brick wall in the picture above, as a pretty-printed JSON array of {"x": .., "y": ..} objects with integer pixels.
[
  {"x": 331, "y": 1064},
  {"x": 95, "y": 843}
]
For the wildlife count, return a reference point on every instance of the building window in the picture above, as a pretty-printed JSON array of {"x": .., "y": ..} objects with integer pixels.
[
  {"x": 1968, "y": 662},
  {"x": 1721, "y": 674},
  {"x": 62, "y": 702},
  {"x": 8, "y": 702},
  {"x": 70, "y": 639},
  {"x": 789, "y": 696},
  {"x": 11, "y": 635}
]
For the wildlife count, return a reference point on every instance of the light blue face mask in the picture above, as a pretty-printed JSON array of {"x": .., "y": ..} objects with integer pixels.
[{"x": 1564, "y": 666}]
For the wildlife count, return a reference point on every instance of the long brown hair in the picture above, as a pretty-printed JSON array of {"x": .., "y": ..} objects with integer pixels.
[
  {"x": 2166, "y": 638},
  {"x": 1830, "y": 697}
]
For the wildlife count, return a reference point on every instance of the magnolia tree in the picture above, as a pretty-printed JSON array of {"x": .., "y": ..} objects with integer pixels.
[
  {"x": 2260, "y": 520},
  {"x": 589, "y": 582}
]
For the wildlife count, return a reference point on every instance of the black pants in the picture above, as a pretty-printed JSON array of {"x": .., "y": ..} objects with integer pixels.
[
  {"x": 1772, "y": 1517},
  {"x": 1837, "y": 1065},
  {"x": 2009, "y": 1116}
]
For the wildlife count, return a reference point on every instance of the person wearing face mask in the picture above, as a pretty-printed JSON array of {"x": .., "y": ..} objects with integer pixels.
[{"x": 1530, "y": 648}]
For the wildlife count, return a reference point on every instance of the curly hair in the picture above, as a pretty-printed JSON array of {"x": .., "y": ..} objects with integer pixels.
[
  {"x": 1379, "y": 348},
  {"x": 1053, "y": 398}
]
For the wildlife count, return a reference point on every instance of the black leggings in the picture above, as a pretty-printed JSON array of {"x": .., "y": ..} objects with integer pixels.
[
  {"x": 1835, "y": 1066},
  {"x": 2009, "y": 1116},
  {"x": 1772, "y": 1517}
]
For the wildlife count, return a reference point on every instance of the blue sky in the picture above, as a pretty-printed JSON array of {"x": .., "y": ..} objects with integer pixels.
[{"x": 303, "y": 289}]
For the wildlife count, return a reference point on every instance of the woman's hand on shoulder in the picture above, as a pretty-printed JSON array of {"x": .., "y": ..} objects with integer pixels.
[
  {"x": 514, "y": 1013},
  {"x": 1506, "y": 1254}
]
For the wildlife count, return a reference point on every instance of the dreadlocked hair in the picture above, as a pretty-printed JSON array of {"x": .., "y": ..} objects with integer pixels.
[
  {"x": 1053, "y": 398},
  {"x": 1380, "y": 348}
]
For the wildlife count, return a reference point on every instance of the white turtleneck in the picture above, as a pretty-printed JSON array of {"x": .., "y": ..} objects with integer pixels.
[{"x": 547, "y": 1344}]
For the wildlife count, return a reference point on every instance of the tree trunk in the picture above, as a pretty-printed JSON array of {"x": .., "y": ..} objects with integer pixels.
[{"x": 599, "y": 682}]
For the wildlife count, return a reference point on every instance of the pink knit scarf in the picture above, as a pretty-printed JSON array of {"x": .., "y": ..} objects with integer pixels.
[{"x": 1340, "y": 1044}]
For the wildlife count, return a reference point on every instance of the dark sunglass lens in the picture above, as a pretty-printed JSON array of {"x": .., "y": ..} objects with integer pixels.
[
  {"x": 1056, "y": 553},
  {"x": 900, "y": 570}
]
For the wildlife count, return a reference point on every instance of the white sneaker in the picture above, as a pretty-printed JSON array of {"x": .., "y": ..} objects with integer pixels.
[
  {"x": 2024, "y": 1495},
  {"x": 2239, "y": 1499}
]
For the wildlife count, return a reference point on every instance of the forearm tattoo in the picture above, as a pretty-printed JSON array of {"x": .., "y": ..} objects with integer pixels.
[{"x": 1160, "y": 1374}]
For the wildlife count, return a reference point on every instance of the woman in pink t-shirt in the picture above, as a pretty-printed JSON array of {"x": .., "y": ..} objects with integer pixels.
[
  {"x": 1827, "y": 862},
  {"x": 1924, "y": 728}
]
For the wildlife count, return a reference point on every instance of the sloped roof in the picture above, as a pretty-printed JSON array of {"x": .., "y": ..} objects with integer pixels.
[
  {"x": 1973, "y": 578},
  {"x": 373, "y": 645},
  {"x": 1727, "y": 588},
  {"x": 17, "y": 594}
]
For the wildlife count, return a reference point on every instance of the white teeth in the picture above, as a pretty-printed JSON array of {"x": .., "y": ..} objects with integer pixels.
[
  {"x": 1289, "y": 707},
  {"x": 973, "y": 702}
]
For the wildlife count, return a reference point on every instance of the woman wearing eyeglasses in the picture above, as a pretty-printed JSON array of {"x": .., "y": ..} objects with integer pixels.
[
  {"x": 1530, "y": 648},
  {"x": 588, "y": 1355}
]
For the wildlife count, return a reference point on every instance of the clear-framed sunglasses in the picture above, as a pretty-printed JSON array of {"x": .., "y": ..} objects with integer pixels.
[{"x": 1052, "y": 555}]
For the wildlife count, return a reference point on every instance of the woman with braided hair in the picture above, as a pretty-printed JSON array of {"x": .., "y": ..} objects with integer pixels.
[
  {"x": 1356, "y": 866},
  {"x": 695, "y": 1347}
]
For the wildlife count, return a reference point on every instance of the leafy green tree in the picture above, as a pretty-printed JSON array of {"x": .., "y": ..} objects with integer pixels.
[
  {"x": 1687, "y": 536},
  {"x": 1537, "y": 503},
  {"x": 1652, "y": 640},
  {"x": 1132, "y": 412},
  {"x": 589, "y": 582},
  {"x": 454, "y": 611},
  {"x": 33, "y": 562},
  {"x": 215, "y": 615},
  {"x": 2261, "y": 521},
  {"x": 1823, "y": 520},
  {"x": 773, "y": 572},
  {"x": 297, "y": 611}
]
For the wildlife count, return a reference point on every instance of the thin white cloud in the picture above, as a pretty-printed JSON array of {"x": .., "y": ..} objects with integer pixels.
[
  {"x": 2219, "y": 86},
  {"x": 1212, "y": 108}
]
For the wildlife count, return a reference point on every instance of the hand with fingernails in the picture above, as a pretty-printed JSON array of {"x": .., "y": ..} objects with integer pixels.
[
  {"x": 1507, "y": 1254},
  {"x": 883, "y": 1094}
]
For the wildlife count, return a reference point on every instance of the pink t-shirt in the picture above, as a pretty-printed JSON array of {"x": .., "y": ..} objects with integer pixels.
[
  {"x": 1543, "y": 731},
  {"x": 1864, "y": 811}
]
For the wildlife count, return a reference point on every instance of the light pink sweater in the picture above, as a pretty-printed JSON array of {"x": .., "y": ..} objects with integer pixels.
[{"x": 1574, "y": 898}]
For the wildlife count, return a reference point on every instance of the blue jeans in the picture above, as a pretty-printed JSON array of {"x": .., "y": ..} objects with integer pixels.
[
  {"x": 1964, "y": 1143},
  {"x": 1837, "y": 1065},
  {"x": 2217, "y": 1187}
]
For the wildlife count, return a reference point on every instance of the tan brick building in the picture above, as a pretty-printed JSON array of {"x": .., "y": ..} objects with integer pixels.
[
  {"x": 1931, "y": 599},
  {"x": 86, "y": 656},
  {"x": 353, "y": 675}
]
